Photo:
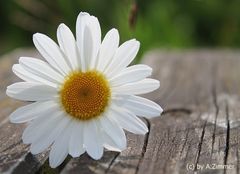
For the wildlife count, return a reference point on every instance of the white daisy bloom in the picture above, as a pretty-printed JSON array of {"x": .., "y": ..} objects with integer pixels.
[{"x": 84, "y": 95}]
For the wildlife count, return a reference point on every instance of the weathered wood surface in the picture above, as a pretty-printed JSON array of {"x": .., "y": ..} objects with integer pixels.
[{"x": 198, "y": 131}]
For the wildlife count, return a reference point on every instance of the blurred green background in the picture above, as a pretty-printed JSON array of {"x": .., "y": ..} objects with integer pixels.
[{"x": 156, "y": 23}]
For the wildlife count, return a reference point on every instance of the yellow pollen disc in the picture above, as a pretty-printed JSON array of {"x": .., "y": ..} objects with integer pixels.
[{"x": 85, "y": 95}]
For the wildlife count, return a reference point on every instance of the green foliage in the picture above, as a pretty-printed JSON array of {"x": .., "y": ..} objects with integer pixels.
[{"x": 156, "y": 23}]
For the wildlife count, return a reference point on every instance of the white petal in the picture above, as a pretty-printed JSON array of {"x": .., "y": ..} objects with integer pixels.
[
  {"x": 29, "y": 77},
  {"x": 88, "y": 46},
  {"x": 139, "y": 106},
  {"x": 76, "y": 140},
  {"x": 28, "y": 91},
  {"x": 107, "y": 49},
  {"x": 80, "y": 27},
  {"x": 83, "y": 20},
  {"x": 31, "y": 111},
  {"x": 96, "y": 35},
  {"x": 68, "y": 45},
  {"x": 123, "y": 57},
  {"x": 139, "y": 87},
  {"x": 43, "y": 139},
  {"x": 109, "y": 144},
  {"x": 23, "y": 74},
  {"x": 41, "y": 68},
  {"x": 51, "y": 52},
  {"x": 92, "y": 140},
  {"x": 127, "y": 120},
  {"x": 115, "y": 136},
  {"x": 45, "y": 123},
  {"x": 59, "y": 150},
  {"x": 131, "y": 74}
]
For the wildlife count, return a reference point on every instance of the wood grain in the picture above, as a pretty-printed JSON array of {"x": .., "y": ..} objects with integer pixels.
[{"x": 198, "y": 131}]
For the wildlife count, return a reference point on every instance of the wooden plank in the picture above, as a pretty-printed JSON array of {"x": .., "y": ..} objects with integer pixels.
[
  {"x": 198, "y": 82},
  {"x": 199, "y": 129}
]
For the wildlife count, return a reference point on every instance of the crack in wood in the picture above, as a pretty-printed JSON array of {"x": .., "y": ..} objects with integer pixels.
[
  {"x": 200, "y": 145},
  {"x": 11, "y": 146},
  {"x": 226, "y": 150},
  {"x": 170, "y": 151},
  {"x": 185, "y": 142},
  {"x": 187, "y": 151},
  {"x": 214, "y": 94},
  {"x": 144, "y": 148},
  {"x": 111, "y": 163},
  {"x": 237, "y": 155}
]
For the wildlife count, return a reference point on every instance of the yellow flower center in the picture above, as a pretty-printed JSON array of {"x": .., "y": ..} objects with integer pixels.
[{"x": 85, "y": 95}]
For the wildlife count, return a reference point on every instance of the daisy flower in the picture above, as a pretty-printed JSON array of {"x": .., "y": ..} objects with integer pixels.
[{"x": 84, "y": 95}]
